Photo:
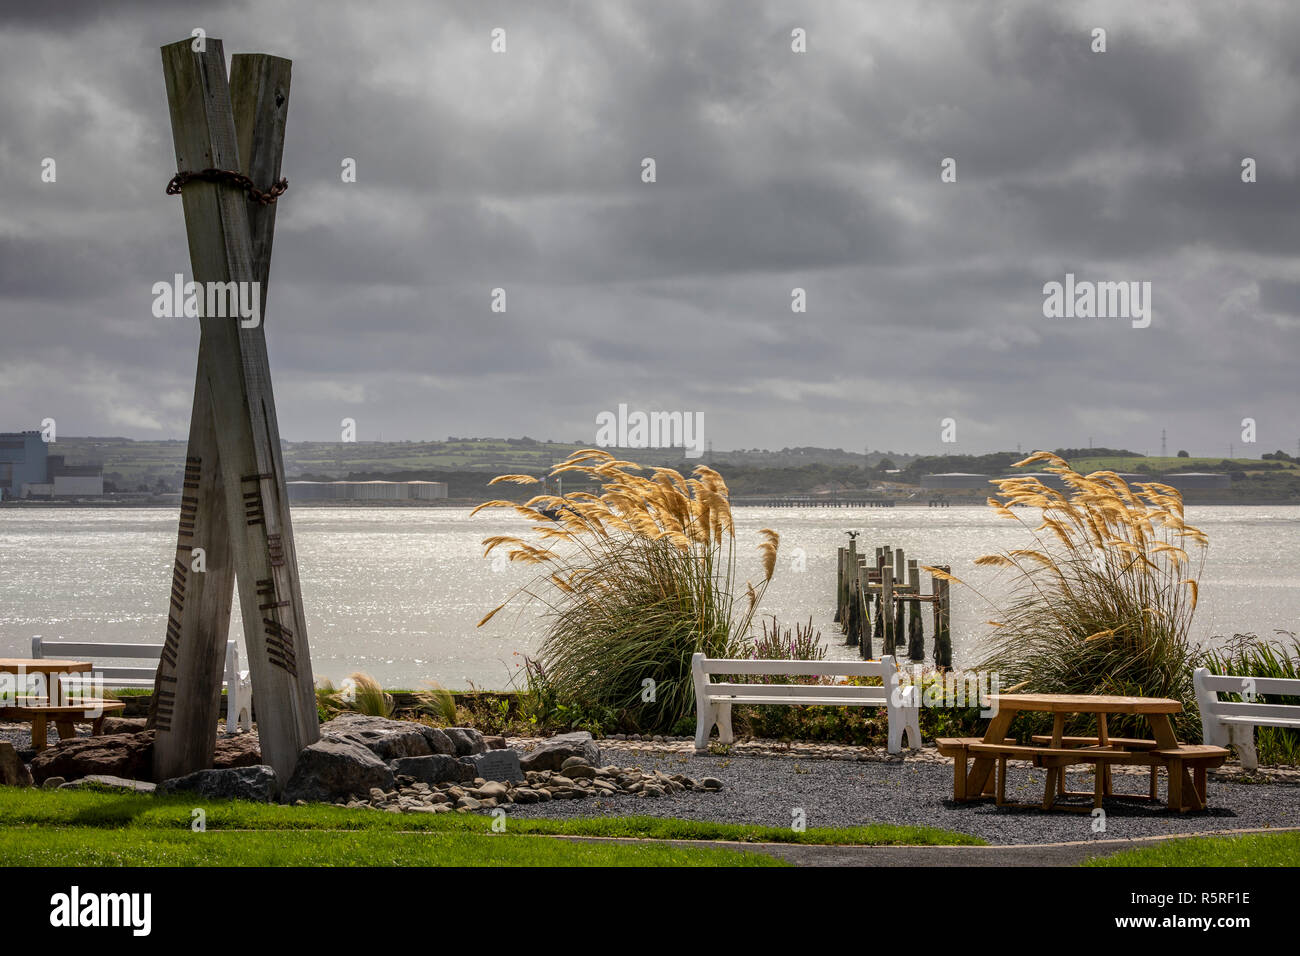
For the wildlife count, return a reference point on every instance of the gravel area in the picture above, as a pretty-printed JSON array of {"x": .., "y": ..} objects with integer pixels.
[
  {"x": 768, "y": 791},
  {"x": 844, "y": 786}
]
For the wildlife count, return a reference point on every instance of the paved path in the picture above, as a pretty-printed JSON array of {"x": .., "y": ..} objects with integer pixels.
[{"x": 1041, "y": 854}]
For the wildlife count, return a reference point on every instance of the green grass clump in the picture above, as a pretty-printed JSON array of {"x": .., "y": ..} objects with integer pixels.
[
  {"x": 1103, "y": 593},
  {"x": 634, "y": 581},
  {"x": 1263, "y": 849}
]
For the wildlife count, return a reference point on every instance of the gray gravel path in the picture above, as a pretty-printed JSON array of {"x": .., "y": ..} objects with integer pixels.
[{"x": 767, "y": 791}]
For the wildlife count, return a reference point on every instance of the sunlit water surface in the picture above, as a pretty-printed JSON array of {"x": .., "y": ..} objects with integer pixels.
[{"x": 397, "y": 592}]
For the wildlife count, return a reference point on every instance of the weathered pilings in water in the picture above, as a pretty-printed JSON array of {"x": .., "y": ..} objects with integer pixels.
[
  {"x": 893, "y": 582},
  {"x": 915, "y": 631},
  {"x": 942, "y": 620}
]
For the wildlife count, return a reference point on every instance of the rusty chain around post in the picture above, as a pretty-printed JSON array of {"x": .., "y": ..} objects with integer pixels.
[{"x": 230, "y": 176}]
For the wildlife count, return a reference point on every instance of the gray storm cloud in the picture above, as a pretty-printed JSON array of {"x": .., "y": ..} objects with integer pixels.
[{"x": 775, "y": 170}]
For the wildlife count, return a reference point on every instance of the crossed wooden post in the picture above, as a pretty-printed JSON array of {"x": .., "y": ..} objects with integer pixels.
[{"x": 234, "y": 506}]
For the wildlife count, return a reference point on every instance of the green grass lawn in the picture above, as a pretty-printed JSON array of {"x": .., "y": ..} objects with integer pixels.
[
  {"x": 1212, "y": 463},
  {"x": 1264, "y": 849},
  {"x": 48, "y": 828},
  {"x": 143, "y": 846}
]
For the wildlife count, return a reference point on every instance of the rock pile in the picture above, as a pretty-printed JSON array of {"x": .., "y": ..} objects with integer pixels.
[
  {"x": 575, "y": 779},
  {"x": 361, "y": 761}
]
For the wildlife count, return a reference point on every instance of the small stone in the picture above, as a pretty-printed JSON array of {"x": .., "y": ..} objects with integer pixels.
[
  {"x": 711, "y": 783},
  {"x": 467, "y": 803},
  {"x": 53, "y": 783},
  {"x": 106, "y": 780},
  {"x": 494, "y": 789},
  {"x": 558, "y": 780},
  {"x": 525, "y": 795}
]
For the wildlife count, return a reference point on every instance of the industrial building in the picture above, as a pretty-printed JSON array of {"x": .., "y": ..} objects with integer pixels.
[
  {"x": 28, "y": 470},
  {"x": 1197, "y": 481},
  {"x": 955, "y": 479},
  {"x": 366, "y": 490}
]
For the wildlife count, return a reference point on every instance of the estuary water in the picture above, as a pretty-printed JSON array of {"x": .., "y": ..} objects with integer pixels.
[{"x": 397, "y": 592}]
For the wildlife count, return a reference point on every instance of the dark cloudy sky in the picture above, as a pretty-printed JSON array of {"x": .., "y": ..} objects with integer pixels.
[{"x": 775, "y": 170}]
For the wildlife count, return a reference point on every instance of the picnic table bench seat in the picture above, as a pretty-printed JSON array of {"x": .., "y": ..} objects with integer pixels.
[
  {"x": 1188, "y": 764},
  {"x": 65, "y": 716}
]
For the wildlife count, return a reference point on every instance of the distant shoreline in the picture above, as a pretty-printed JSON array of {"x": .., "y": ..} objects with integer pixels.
[{"x": 922, "y": 505}]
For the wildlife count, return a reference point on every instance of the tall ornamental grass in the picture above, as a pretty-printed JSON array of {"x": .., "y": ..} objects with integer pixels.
[
  {"x": 1103, "y": 601},
  {"x": 634, "y": 580}
]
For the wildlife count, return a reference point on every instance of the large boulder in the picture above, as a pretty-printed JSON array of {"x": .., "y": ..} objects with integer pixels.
[
  {"x": 331, "y": 770},
  {"x": 130, "y": 756},
  {"x": 117, "y": 755},
  {"x": 497, "y": 765},
  {"x": 257, "y": 783},
  {"x": 241, "y": 750},
  {"x": 434, "y": 768},
  {"x": 388, "y": 739},
  {"x": 124, "y": 725},
  {"x": 13, "y": 773},
  {"x": 466, "y": 740},
  {"x": 551, "y": 754}
]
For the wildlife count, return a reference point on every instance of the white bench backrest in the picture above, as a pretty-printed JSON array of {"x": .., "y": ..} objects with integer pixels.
[
  {"x": 714, "y": 665},
  {"x": 1209, "y": 686},
  {"x": 120, "y": 676},
  {"x": 706, "y": 667}
]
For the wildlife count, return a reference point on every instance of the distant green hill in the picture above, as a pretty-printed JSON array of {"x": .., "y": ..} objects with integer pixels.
[{"x": 131, "y": 465}]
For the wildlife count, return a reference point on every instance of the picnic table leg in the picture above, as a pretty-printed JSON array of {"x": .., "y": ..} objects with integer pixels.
[
  {"x": 38, "y": 731},
  {"x": 1176, "y": 785},
  {"x": 66, "y": 729},
  {"x": 1202, "y": 797},
  {"x": 1103, "y": 740},
  {"x": 1153, "y": 783},
  {"x": 1162, "y": 728},
  {"x": 977, "y": 780},
  {"x": 959, "y": 777},
  {"x": 1101, "y": 784}
]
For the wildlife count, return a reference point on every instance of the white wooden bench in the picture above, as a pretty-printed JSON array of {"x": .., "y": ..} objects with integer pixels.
[
  {"x": 713, "y": 700},
  {"x": 1232, "y": 723},
  {"x": 239, "y": 694}
]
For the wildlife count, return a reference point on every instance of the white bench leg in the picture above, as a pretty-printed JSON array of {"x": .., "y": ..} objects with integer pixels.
[
  {"x": 706, "y": 715},
  {"x": 1243, "y": 738},
  {"x": 913, "y": 727},
  {"x": 725, "y": 736}
]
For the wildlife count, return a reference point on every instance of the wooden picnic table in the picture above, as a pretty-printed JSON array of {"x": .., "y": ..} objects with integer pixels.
[
  {"x": 50, "y": 667},
  {"x": 40, "y": 710},
  {"x": 1186, "y": 763}
]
